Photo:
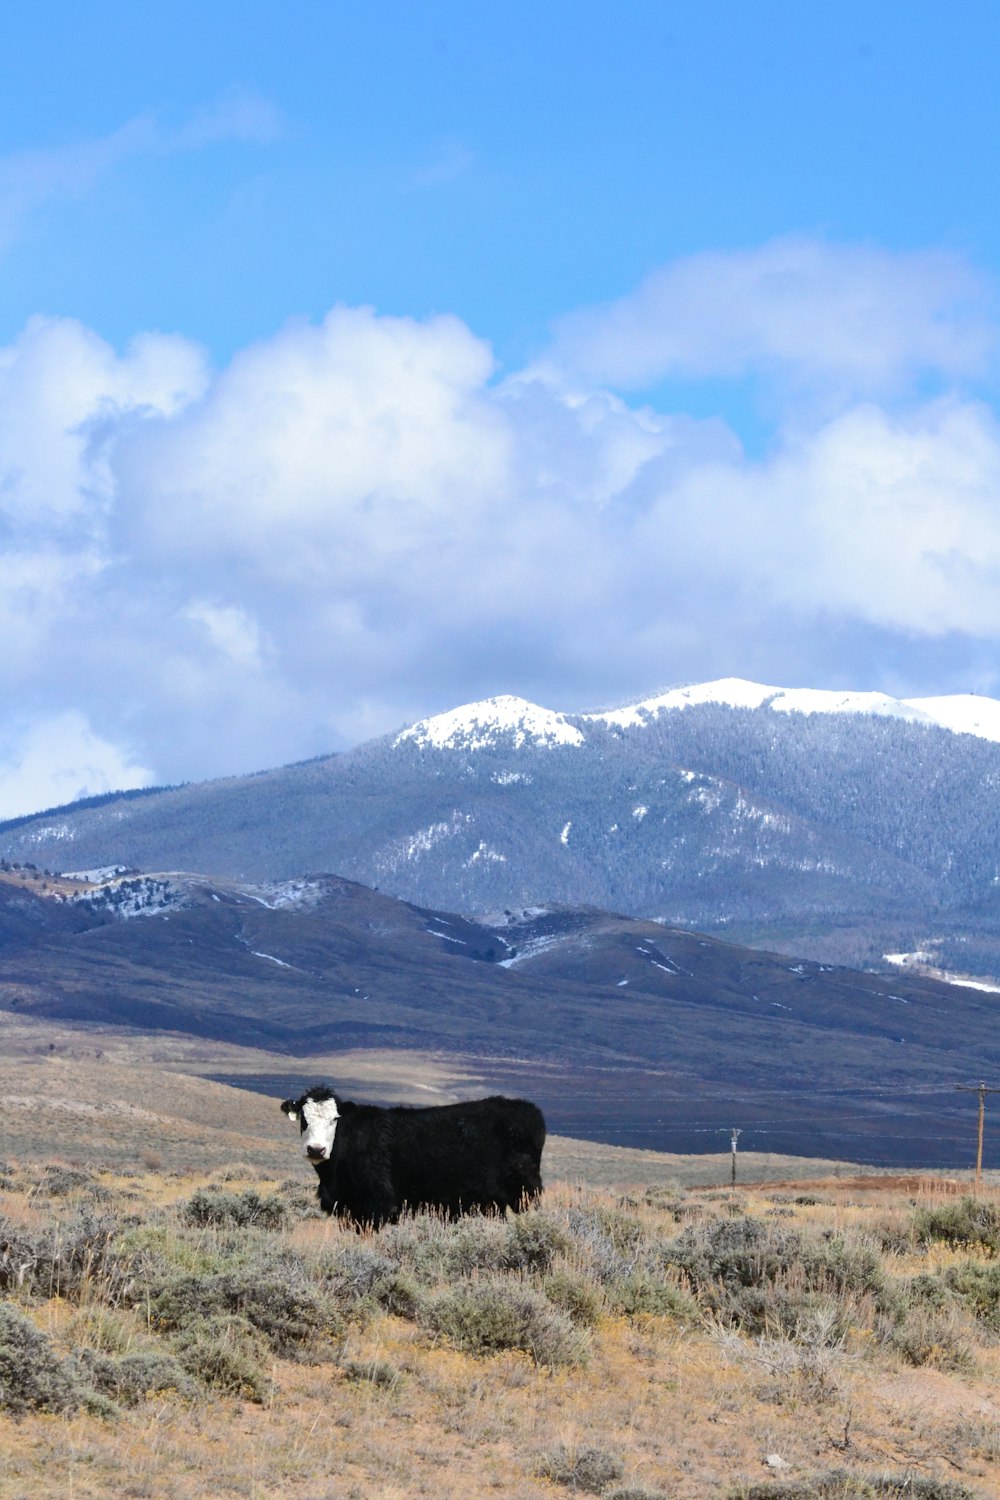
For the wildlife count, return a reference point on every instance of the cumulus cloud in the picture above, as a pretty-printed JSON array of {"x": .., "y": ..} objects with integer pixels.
[
  {"x": 325, "y": 450},
  {"x": 360, "y": 521},
  {"x": 892, "y": 520},
  {"x": 61, "y": 389},
  {"x": 60, "y": 759}
]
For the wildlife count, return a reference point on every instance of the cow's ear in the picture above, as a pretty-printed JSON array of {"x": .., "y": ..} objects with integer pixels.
[{"x": 290, "y": 1109}]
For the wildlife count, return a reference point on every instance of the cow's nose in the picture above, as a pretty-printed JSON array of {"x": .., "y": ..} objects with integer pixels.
[{"x": 315, "y": 1153}]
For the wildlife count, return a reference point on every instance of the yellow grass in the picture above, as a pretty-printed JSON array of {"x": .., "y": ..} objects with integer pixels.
[{"x": 690, "y": 1410}]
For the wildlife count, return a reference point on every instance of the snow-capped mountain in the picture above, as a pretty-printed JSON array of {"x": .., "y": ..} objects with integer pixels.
[
  {"x": 843, "y": 825},
  {"x": 479, "y": 724},
  {"x": 962, "y": 713}
]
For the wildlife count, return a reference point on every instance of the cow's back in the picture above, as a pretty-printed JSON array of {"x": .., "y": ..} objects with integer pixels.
[{"x": 483, "y": 1153}]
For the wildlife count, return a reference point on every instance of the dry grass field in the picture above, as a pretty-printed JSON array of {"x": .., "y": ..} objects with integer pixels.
[
  {"x": 177, "y": 1321},
  {"x": 174, "y": 1334}
]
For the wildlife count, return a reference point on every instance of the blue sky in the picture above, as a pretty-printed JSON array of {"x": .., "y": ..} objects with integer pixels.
[{"x": 359, "y": 361}]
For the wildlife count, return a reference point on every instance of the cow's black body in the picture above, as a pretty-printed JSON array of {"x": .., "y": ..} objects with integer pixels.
[{"x": 484, "y": 1155}]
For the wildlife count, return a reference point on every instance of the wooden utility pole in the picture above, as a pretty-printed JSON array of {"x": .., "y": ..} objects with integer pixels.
[
  {"x": 736, "y": 1136},
  {"x": 982, "y": 1091}
]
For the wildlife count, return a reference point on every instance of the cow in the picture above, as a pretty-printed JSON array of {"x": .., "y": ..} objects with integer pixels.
[{"x": 375, "y": 1162}]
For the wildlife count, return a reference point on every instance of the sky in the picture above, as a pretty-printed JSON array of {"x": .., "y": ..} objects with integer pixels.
[{"x": 357, "y": 362}]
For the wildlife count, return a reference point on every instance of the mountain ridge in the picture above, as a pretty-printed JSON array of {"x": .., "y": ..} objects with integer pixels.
[
  {"x": 960, "y": 713},
  {"x": 832, "y": 833},
  {"x": 625, "y": 1031}
]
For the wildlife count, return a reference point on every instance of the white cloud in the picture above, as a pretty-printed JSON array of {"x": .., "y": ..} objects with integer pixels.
[
  {"x": 231, "y": 630},
  {"x": 328, "y": 451},
  {"x": 60, "y": 759},
  {"x": 892, "y": 521},
  {"x": 60, "y": 387},
  {"x": 860, "y": 318},
  {"x": 356, "y": 523}
]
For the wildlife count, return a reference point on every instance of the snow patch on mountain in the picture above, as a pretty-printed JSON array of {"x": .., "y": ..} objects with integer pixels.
[
  {"x": 49, "y": 832},
  {"x": 922, "y": 961},
  {"x": 728, "y": 690},
  {"x": 485, "y": 855},
  {"x": 477, "y": 725},
  {"x": 279, "y": 895},
  {"x": 272, "y": 960},
  {"x": 962, "y": 713},
  {"x": 136, "y": 896},
  {"x": 532, "y": 949},
  {"x": 402, "y": 851},
  {"x": 100, "y": 876}
]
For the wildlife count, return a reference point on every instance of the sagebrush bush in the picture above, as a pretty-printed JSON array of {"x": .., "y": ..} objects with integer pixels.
[
  {"x": 291, "y": 1315},
  {"x": 623, "y": 1231},
  {"x": 484, "y": 1316},
  {"x": 585, "y": 1470},
  {"x": 650, "y": 1291},
  {"x": 225, "y": 1353},
  {"x": 669, "y": 1198},
  {"x": 373, "y": 1372},
  {"x": 474, "y": 1244},
  {"x": 892, "y": 1237},
  {"x": 301, "y": 1202},
  {"x": 634, "y": 1492},
  {"x": 527, "y": 1242},
  {"x": 32, "y": 1376},
  {"x": 764, "y": 1279},
  {"x": 840, "y": 1484},
  {"x": 935, "y": 1330},
  {"x": 625, "y": 1266},
  {"x": 238, "y": 1171},
  {"x": 130, "y": 1378},
  {"x": 577, "y": 1296},
  {"x": 420, "y": 1242},
  {"x": 236, "y": 1210},
  {"x": 59, "y": 1182},
  {"x": 967, "y": 1222},
  {"x": 611, "y": 1244},
  {"x": 354, "y": 1272},
  {"x": 18, "y": 1256},
  {"x": 80, "y": 1257},
  {"x": 808, "y": 1368},
  {"x": 534, "y": 1240},
  {"x": 972, "y": 1284}
]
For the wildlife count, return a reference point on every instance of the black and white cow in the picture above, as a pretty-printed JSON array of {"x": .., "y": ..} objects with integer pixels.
[{"x": 374, "y": 1162}]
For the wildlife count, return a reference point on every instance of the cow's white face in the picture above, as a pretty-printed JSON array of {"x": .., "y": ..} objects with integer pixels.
[{"x": 319, "y": 1126}]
